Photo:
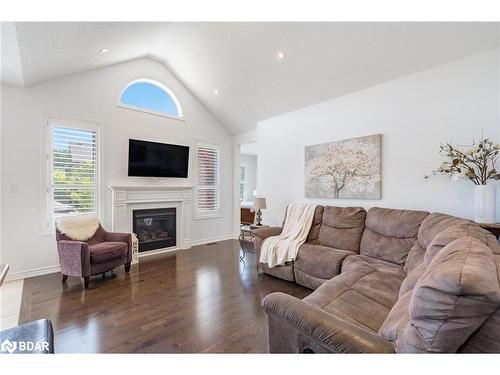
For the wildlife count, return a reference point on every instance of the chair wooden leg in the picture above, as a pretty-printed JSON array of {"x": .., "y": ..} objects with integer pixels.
[
  {"x": 86, "y": 281},
  {"x": 64, "y": 278},
  {"x": 127, "y": 267}
]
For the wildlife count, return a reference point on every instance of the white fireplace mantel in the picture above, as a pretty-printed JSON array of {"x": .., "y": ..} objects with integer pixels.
[{"x": 125, "y": 199}]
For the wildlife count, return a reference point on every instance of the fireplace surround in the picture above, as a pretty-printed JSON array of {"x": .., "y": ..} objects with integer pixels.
[{"x": 125, "y": 200}]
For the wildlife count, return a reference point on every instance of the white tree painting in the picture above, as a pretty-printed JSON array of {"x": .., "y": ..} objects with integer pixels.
[{"x": 348, "y": 168}]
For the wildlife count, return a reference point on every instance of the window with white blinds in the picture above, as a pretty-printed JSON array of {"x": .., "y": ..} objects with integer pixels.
[
  {"x": 207, "y": 190},
  {"x": 73, "y": 169}
]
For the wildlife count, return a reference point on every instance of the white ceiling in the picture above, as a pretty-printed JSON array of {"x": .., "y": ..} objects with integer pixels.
[{"x": 323, "y": 60}]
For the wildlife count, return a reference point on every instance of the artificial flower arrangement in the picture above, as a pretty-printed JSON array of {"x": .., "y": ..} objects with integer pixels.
[{"x": 476, "y": 164}]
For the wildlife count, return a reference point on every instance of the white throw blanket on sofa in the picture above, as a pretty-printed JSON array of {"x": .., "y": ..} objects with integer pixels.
[{"x": 283, "y": 248}]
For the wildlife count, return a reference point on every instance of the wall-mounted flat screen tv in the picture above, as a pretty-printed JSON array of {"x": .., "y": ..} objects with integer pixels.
[{"x": 152, "y": 159}]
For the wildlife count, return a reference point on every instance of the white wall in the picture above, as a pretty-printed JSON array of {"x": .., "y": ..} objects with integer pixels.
[
  {"x": 250, "y": 164},
  {"x": 94, "y": 95},
  {"x": 238, "y": 140},
  {"x": 450, "y": 102}
]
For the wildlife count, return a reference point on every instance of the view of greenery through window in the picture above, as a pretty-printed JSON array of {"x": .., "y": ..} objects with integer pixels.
[{"x": 74, "y": 166}]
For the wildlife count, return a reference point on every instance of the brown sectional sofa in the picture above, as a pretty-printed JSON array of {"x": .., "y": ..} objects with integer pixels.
[{"x": 388, "y": 281}]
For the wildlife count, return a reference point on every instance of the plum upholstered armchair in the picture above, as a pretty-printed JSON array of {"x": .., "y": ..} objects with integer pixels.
[{"x": 100, "y": 253}]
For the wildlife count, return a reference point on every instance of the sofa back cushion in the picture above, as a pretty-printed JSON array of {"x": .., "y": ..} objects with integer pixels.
[
  {"x": 450, "y": 234},
  {"x": 313, "y": 234},
  {"x": 418, "y": 258},
  {"x": 390, "y": 234},
  {"x": 458, "y": 291},
  {"x": 415, "y": 258},
  {"x": 434, "y": 224},
  {"x": 342, "y": 227}
]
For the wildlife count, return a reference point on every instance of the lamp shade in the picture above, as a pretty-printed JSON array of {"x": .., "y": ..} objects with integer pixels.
[{"x": 259, "y": 203}]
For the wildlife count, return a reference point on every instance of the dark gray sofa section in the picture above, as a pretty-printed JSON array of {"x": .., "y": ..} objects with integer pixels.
[{"x": 36, "y": 337}]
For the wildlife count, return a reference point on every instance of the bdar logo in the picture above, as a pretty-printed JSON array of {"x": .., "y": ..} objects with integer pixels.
[{"x": 8, "y": 346}]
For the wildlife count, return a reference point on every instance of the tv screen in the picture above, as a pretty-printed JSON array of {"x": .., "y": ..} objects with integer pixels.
[{"x": 151, "y": 159}]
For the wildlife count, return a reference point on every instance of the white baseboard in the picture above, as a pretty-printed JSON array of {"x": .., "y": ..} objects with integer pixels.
[
  {"x": 158, "y": 251},
  {"x": 33, "y": 272},
  {"x": 211, "y": 239}
]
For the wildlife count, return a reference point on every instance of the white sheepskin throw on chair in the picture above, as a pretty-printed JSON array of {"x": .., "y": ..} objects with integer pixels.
[{"x": 78, "y": 228}]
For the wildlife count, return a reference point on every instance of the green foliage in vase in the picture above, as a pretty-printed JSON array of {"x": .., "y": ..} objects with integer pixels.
[{"x": 476, "y": 164}]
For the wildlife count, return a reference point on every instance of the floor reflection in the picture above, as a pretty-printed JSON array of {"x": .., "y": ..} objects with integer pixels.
[{"x": 198, "y": 300}]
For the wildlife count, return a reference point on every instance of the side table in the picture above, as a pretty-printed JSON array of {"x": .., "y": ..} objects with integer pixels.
[{"x": 247, "y": 239}]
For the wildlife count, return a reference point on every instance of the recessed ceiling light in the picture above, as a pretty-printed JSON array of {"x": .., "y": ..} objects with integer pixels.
[
  {"x": 216, "y": 91},
  {"x": 103, "y": 50},
  {"x": 281, "y": 55}
]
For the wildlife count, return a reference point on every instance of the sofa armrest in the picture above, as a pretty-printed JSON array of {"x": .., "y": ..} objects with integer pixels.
[
  {"x": 260, "y": 235},
  {"x": 74, "y": 258},
  {"x": 263, "y": 233},
  {"x": 331, "y": 332},
  {"x": 121, "y": 237}
]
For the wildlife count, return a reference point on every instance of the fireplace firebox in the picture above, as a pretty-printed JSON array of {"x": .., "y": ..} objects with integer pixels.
[{"x": 155, "y": 228}]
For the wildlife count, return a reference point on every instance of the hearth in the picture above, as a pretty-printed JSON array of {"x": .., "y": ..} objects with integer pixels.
[{"x": 155, "y": 228}]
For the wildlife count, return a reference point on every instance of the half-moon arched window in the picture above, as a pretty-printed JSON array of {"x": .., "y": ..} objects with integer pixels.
[{"x": 151, "y": 96}]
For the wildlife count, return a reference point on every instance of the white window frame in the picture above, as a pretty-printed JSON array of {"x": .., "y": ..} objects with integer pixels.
[
  {"x": 49, "y": 222},
  {"x": 145, "y": 110},
  {"x": 243, "y": 173},
  {"x": 213, "y": 213}
]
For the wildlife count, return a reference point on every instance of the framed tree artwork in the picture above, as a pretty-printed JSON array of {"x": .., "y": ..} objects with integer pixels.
[{"x": 349, "y": 168}]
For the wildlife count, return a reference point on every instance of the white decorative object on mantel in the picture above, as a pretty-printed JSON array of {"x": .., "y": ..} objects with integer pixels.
[
  {"x": 135, "y": 249},
  {"x": 484, "y": 209},
  {"x": 125, "y": 199}
]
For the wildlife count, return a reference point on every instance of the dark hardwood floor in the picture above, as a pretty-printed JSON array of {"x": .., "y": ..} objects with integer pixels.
[{"x": 198, "y": 300}]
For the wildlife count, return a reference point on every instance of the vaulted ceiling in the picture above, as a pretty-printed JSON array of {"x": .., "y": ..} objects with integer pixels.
[{"x": 321, "y": 60}]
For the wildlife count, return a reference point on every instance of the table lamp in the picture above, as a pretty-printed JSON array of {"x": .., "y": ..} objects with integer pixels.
[{"x": 259, "y": 203}]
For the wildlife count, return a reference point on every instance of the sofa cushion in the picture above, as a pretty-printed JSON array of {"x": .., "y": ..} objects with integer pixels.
[
  {"x": 485, "y": 339},
  {"x": 397, "y": 320},
  {"x": 307, "y": 280},
  {"x": 354, "y": 261},
  {"x": 455, "y": 295},
  {"x": 319, "y": 261},
  {"x": 363, "y": 296},
  {"x": 104, "y": 251},
  {"x": 312, "y": 236},
  {"x": 390, "y": 234},
  {"x": 415, "y": 257},
  {"x": 435, "y": 223},
  {"x": 411, "y": 280},
  {"x": 449, "y": 235},
  {"x": 342, "y": 227},
  {"x": 396, "y": 223}
]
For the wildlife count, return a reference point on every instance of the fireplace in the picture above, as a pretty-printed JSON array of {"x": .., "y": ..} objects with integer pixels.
[{"x": 155, "y": 228}]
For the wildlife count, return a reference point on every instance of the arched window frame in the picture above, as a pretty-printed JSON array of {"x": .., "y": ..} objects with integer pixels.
[{"x": 145, "y": 110}]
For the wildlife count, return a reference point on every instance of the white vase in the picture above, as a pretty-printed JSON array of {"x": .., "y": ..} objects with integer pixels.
[{"x": 484, "y": 209}]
